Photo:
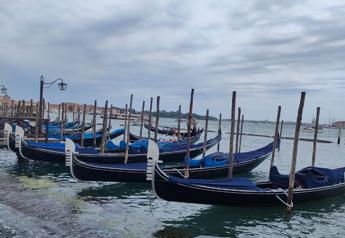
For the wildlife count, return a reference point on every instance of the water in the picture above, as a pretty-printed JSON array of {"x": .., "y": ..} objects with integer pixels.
[{"x": 42, "y": 200}]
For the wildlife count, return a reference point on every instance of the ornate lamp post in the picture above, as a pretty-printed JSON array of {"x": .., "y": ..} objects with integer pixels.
[{"x": 62, "y": 86}]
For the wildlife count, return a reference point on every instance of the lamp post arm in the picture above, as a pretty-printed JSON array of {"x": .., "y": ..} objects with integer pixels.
[{"x": 49, "y": 84}]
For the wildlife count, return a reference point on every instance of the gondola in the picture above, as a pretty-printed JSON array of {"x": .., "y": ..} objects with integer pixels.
[
  {"x": 171, "y": 131},
  {"x": 136, "y": 172},
  {"x": 171, "y": 152},
  {"x": 55, "y": 152},
  {"x": 88, "y": 142},
  {"x": 311, "y": 184},
  {"x": 193, "y": 139}
]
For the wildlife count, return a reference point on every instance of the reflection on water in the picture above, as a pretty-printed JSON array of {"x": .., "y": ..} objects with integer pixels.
[{"x": 38, "y": 197}]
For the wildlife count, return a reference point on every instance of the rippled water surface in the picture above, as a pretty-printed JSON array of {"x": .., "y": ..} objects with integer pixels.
[{"x": 42, "y": 200}]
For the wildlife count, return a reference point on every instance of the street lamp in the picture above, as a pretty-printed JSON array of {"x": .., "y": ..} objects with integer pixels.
[{"x": 62, "y": 86}]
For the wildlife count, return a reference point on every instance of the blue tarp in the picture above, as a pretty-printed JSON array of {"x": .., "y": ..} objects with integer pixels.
[
  {"x": 309, "y": 177},
  {"x": 222, "y": 159},
  {"x": 233, "y": 183}
]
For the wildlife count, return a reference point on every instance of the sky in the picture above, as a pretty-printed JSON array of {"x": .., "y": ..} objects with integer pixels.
[{"x": 268, "y": 51}]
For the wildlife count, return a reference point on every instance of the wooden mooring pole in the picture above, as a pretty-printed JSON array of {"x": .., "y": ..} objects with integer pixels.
[
  {"x": 157, "y": 118},
  {"x": 189, "y": 124},
  {"x": 238, "y": 130},
  {"x": 179, "y": 123},
  {"x": 232, "y": 129},
  {"x": 294, "y": 153},
  {"x": 150, "y": 118},
  {"x": 128, "y": 128},
  {"x": 94, "y": 123},
  {"x": 219, "y": 129},
  {"x": 83, "y": 127},
  {"x": 241, "y": 133},
  {"x": 316, "y": 128},
  {"x": 104, "y": 126},
  {"x": 276, "y": 137},
  {"x": 205, "y": 134},
  {"x": 142, "y": 120}
]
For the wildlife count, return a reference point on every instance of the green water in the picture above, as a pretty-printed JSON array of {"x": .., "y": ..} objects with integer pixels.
[{"x": 42, "y": 200}]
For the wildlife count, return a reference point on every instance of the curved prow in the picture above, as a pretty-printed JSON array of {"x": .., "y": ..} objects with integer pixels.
[
  {"x": 152, "y": 159},
  {"x": 7, "y": 131},
  {"x": 19, "y": 135},
  {"x": 69, "y": 151}
]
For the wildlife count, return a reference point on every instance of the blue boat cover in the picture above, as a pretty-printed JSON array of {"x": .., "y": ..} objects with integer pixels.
[
  {"x": 232, "y": 183},
  {"x": 309, "y": 177},
  {"x": 222, "y": 159},
  {"x": 55, "y": 146}
]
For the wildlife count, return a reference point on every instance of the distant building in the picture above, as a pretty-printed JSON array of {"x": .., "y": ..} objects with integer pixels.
[{"x": 339, "y": 124}]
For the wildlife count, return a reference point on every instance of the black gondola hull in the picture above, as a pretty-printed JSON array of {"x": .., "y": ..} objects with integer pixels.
[{"x": 216, "y": 196}]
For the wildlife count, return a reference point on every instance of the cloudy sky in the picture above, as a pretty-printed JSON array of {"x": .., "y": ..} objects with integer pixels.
[{"x": 268, "y": 51}]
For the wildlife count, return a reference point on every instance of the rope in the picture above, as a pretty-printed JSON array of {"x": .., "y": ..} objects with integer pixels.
[
  {"x": 179, "y": 172},
  {"x": 281, "y": 200}
]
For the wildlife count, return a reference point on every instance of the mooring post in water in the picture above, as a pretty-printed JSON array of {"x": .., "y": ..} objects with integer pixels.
[
  {"x": 316, "y": 128},
  {"x": 83, "y": 127},
  {"x": 73, "y": 114},
  {"x": 58, "y": 119},
  {"x": 94, "y": 123},
  {"x": 104, "y": 127},
  {"x": 232, "y": 129},
  {"x": 150, "y": 118},
  {"x": 339, "y": 136},
  {"x": 189, "y": 125},
  {"x": 219, "y": 129},
  {"x": 281, "y": 133},
  {"x": 128, "y": 128},
  {"x": 43, "y": 107},
  {"x": 48, "y": 111},
  {"x": 205, "y": 134},
  {"x": 78, "y": 118},
  {"x": 142, "y": 120},
  {"x": 109, "y": 122},
  {"x": 179, "y": 123},
  {"x": 47, "y": 129},
  {"x": 238, "y": 130},
  {"x": 36, "y": 123},
  {"x": 276, "y": 137},
  {"x": 294, "y": 153},
  {"x": 157, "y": 118},
  {"x": 62, "y": 122},
  {"x": 125, "y": 126},
  {"x": 242, "y": 120},
  {"x": 12, "y": 108},
  {"x": 31, "y": 108}
]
